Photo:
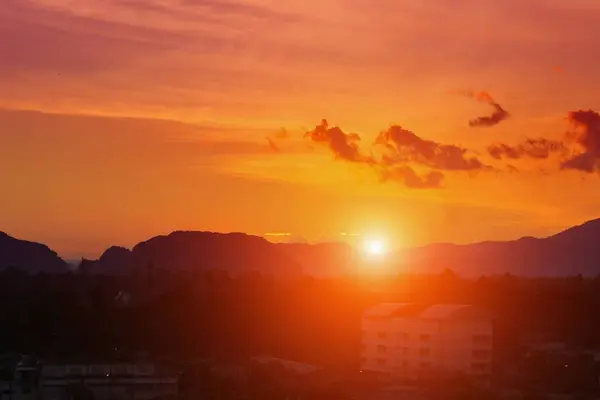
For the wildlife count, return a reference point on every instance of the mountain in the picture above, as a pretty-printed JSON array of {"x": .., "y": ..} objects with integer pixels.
[
  {"x": 115, "y": 260},
  {"x": 29, "y": 256},
  {"x": 236, "y": 253},
  {"x": 571, "y": 252}
]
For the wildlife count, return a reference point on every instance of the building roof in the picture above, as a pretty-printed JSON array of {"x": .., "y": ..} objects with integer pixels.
[
  {"x": 445, "y": 311},
  {"x": 436, "y": 312}
]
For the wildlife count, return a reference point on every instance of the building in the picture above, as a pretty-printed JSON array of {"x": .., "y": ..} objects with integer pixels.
[
  {"x": 410, "y": 341},
  {"x": 18, "y": 377},
  {"x": 106, "y": 381}
]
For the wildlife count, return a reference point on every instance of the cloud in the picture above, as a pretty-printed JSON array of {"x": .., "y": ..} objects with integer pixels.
[
  {"x": 94, "y": 140},
  {"x": 64, "y": 42},
  {"x": 499, "y": 114},
  {"x": 405, "y": 146},
  {"x": 273, "y": 145},
  {"x": 539, "y": 148},
  {"x": 275, "y": 138},
  {"x": 240, "y": 8},
  {"x": 402, "y": 147},
  {"x": 343, "y": 145},
  {"x": 587, "y": 136},
  {"x": 405, "y": 174}
]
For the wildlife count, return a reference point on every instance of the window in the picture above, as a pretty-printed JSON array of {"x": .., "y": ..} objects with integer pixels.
[
  {"x": 481, "y": 353},
  {"x": 425, "y": 337},
  {"x": 482, "y": 339},
  {"x": 424, "y": 351},
  {"x": 381, "y": 349},
  {"x": 382, "y": 335},
  {"x": 381, "y": 361}
]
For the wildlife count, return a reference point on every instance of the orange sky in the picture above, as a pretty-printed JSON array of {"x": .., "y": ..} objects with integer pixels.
[{"x": 122, "y": 119}]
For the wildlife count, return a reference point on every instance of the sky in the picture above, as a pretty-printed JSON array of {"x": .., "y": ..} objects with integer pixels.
[{"x": 453, "y": 121}]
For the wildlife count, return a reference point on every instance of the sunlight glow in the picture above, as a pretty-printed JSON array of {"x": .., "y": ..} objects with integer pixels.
[{"x": 374, "y": 247}]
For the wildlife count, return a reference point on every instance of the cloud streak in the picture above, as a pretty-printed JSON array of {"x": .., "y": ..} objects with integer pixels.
[
  {"x": 539, "y": 148},
  {"x": 499, "y": 114},
  {"x": 412, "y": 180}
]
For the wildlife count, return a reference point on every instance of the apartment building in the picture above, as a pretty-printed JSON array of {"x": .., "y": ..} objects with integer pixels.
[{"x": 409, "y": 340}]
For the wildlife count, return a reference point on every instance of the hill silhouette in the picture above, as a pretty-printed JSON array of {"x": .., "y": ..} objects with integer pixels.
[
  {"x": 235, "y": 253},
  {"x": 29, "y": 256},
  {"x": 574, "y": 251}
]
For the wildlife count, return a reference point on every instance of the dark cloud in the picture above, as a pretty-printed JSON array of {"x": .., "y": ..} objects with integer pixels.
[
  {"x": 405, "y": 174},
  {"x": 499, "y": 114},
  {"x": 405, "y": 146},
  {"x": 343, "y": 145},
  {"x": 533, "y": 148},
  {"x": 402, "y": 148},
  {"x": 587, "y": 136}
]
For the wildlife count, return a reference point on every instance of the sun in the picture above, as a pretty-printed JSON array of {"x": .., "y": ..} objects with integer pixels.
[{"x": 374, "y": 247}]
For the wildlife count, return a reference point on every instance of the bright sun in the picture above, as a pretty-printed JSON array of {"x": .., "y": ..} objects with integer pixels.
[{"x": 374, "y": 247}]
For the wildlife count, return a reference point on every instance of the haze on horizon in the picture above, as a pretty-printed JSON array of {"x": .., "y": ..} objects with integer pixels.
[{"x": 124, "y": 119}]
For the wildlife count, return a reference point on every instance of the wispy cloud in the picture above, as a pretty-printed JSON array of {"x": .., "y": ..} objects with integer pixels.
[
  {"x": 276, "y": 138},
  {"x": 412, "y": 180},
  {"x": 499, "y": 114},
  {"x": 539, "y": 148}
]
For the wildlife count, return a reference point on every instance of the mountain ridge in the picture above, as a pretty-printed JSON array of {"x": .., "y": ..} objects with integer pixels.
[
  {"x": 29, "y": 256},
  {"x": 573, "y": 251}
]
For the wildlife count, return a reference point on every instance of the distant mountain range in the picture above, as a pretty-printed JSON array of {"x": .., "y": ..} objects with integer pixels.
[
  {"x": 571, "y": 252},
  {"x": 574, "y": 251}
]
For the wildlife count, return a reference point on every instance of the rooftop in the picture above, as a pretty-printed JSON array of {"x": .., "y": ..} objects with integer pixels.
[{"x": 431, "y": 312}]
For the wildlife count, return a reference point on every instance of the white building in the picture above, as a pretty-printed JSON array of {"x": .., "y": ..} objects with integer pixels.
[{"x": 410, "y": 340}]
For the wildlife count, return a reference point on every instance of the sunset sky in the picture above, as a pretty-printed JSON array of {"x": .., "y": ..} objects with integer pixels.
[{"x": 124, "y": 119}]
